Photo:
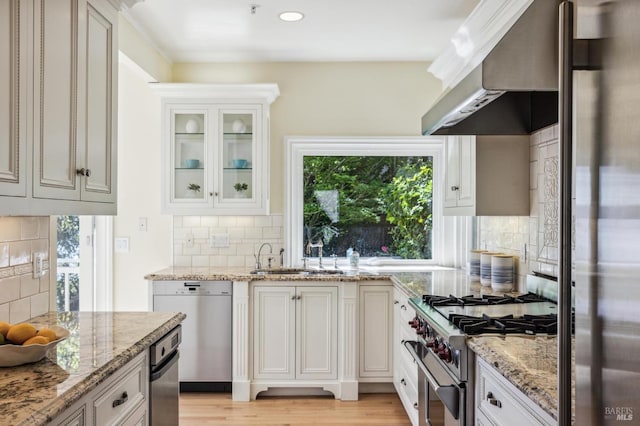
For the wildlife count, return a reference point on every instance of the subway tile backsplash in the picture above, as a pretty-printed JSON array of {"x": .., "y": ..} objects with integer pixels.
[
  {"x": 22, "y": 296},
  {"x": 192, "y": 234},
  {"x": 539, "y": 230}
]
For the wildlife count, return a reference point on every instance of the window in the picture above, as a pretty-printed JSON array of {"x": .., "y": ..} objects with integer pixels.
[{"x": 377, "y": 196}]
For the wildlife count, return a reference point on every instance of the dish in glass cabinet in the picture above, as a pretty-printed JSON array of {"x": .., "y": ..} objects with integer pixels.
[{"x": 14, "y": 355}]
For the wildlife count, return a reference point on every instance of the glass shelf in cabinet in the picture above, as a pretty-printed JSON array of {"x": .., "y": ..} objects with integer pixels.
[
  {"x": 189, "y": 134},
  {"x": 189, "y": 168},
  {"x": 238, "y": 168}
]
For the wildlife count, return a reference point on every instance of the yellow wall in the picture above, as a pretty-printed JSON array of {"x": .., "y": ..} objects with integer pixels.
[
  {"x": 329, "y": 98},
  {"x": 138, "y": 49}
]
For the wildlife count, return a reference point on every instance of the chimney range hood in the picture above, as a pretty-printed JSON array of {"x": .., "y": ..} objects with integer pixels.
[{"x": 514, "y": 90}]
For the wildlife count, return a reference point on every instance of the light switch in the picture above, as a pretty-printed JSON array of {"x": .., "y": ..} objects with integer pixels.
[
  {"x": 38, "y": 265},
  {"x": 121, "y": 244},
  {"x": 142, "y": 224}
]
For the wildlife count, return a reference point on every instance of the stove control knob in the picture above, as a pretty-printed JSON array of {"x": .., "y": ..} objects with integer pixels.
[
  {"x": 414, "y": 323},
  {"x": 422, "y": 331},
  {"x": 433, "y": 343},
  {"x": 445, "y": 354}
]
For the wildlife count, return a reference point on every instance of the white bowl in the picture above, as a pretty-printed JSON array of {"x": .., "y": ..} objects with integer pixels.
[{"x": 12, "y": 355}]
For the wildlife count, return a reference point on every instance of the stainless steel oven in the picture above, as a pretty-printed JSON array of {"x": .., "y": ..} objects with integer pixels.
[{"x": 442, "y": 398}]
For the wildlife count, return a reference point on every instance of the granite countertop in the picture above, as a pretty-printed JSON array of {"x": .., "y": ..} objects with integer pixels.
[
  {"x": 99, "y": 344},
  {"x": 528, "y": 362}
]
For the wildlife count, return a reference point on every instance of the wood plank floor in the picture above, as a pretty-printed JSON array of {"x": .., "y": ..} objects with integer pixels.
[{"x": 219, "y": 409}]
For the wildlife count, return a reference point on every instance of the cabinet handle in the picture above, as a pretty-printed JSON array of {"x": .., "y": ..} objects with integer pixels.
[
  {"x": 403, "y": 381},
  {"x": 299, "y": 297},
  {"x": 415, "y": 405},
  {"x": 395, "y": 302},
  {"x": 83, "y": 172},
  {"x": 493, "y": 401},
  {"x": 120, "y": 400},
  {"x": 455, "y": 188},
  {"x": 293, "y": 298},
  {"x": 404, "y": 308}
]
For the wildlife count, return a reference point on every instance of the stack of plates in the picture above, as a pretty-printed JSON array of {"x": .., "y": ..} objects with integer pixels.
[
  {"x": 502, "y": 272},
  {"x": 474, "y": 264},
  {"x": 485, "y": 267}
]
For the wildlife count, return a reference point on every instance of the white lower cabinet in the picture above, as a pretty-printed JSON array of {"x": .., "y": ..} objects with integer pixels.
[
  {"x": 295, "y": 333},
  {"x": 376, "y": 332},
  {"x": 120, "y": 400},
  {"x": 405, "y": 370},
  {"x": 499, "y": 402}
]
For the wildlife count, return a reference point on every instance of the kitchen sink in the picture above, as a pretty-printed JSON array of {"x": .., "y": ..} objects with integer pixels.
[{"x": 296, "y": 271}]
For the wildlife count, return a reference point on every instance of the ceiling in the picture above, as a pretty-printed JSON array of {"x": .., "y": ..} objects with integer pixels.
[{"x": 332, "y": 30}]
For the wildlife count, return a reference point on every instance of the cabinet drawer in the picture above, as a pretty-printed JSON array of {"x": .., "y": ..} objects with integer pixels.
[
  {"x": 121, "y": 398},
  {"x": 503, "y": 404},
  {"x": 408, "y": 395}
]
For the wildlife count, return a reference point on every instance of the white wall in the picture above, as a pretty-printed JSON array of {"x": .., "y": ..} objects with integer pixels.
[{"x": 138, "y": 192}]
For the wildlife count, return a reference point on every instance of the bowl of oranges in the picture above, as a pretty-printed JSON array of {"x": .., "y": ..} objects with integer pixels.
[{"x": 24, "y": 343}]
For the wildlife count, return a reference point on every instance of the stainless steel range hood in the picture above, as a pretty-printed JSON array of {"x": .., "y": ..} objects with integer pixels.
[{"x": 514, "y": 90}]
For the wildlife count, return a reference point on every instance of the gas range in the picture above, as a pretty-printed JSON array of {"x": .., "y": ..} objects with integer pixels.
[{"x": 443, "y": 324}]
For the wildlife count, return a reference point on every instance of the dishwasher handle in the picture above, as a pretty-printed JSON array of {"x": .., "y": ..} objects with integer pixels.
[
  {"x": 192, "y": 283},
  {"x": 164, "y": 367}
]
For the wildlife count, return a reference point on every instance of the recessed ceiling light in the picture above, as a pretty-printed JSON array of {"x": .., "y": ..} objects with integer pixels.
[{"x": 291, "y": 16}]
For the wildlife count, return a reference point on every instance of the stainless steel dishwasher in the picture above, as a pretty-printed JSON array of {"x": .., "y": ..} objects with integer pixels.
[
  {"x": 163, "y": 379},
  {"x": 205, "y": 352}
]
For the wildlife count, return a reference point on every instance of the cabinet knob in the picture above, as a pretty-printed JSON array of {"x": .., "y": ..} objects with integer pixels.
[
  {"x": 404, "y": 308},
  {"x": 415, "y": 405},
  {"x": 83, "y": 172},
  {"x": 211, "y": 194},
  {"x": 293, "y": 298},
  {"x": 493, "y": 401},
  {"x": 455, "y": 188},
  {"x": 403, "y": 381}
]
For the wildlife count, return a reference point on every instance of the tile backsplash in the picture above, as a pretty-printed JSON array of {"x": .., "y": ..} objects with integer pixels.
[
  {"x": 22, "y": 296},
  {"x": 538, "y": 231},
  {"x": 192, "y": 235}
]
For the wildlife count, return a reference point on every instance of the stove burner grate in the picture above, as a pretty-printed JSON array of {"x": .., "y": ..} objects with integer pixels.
[
  {"x": 527, "y": 324},
  {"x": 486, "y": 299}
]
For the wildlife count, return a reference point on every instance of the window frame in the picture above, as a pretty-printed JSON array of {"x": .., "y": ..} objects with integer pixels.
[{"x": 297, "y": 147}]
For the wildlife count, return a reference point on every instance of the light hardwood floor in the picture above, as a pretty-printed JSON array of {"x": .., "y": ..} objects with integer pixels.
[{"x": 219, "y": 409}]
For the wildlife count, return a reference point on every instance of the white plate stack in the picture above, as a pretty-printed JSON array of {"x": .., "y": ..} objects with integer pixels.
[
  {"x": 485, "y": 267},
  {"x": 502, "y": 272},
  {"x": 474, "y": 264}
]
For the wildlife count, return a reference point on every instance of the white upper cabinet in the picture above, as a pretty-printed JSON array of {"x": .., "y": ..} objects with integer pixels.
[
  {"x": 68, "y": 151},
  {"x": 216, "y": 148},
  {"x": 13, "y": 85},
  {"x": 486, "y": 176}
]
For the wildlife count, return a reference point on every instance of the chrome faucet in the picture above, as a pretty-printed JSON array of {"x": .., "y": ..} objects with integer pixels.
[
  {"x": 319, "y": 246},
  {"x": 257, "y": 257}
]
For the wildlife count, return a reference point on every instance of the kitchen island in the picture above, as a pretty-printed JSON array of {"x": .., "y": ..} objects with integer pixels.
[{"x": 99, "y": 345}]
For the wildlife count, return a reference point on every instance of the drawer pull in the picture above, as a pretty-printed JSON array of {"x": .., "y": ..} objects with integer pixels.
[
  {"x": 493, "y": 401},
  {"x": 404, "y": 308},
  {"x": 120, "y": 400},
  {"x": 404, "y": 382},
  {"x": 415, "y": 405}
]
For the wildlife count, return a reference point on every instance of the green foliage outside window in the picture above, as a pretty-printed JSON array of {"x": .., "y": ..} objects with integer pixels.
[{"x": 376, "y": 205}]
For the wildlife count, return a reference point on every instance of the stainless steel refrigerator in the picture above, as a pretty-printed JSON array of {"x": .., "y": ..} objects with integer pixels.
[{"x": 601, "y": 114}]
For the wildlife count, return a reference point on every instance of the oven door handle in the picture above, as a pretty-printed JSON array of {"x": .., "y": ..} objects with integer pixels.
[{"x": 448, "y": 394}]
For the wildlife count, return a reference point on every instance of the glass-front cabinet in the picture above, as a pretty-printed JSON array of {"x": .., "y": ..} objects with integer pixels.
[{"x": 216, "y": 148}]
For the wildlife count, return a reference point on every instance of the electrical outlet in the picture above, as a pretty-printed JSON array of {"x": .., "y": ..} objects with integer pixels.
[
  {"x": 121, "y": 244},
  {"x": 38, "y": 265},
  {"x": 189, "y": 240},
  {"x": 142, "y": 224},
  {"x": 219, "y": 240}
]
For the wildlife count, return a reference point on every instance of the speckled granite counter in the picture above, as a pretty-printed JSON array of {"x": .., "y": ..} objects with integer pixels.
[
  {"x": 99, "y": 344},
  {"x": 530, "y": 363}
]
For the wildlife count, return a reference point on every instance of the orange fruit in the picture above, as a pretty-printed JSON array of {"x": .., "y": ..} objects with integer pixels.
[
  {"x": 36, "y": 340},
  {"x": 4, "y": 327},
  {"x": 48, "y": 333},
  {"x": 20, "y": 333}
]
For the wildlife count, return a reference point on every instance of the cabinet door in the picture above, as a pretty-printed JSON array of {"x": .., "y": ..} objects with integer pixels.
[
  {"x": 467, "y": 183},
  {"x": 97, "y": 113},
  {"x": 376, "y": 331},
  {"x": 187, "y": 158},
  {"x": 452, "y": 171},
  {"x": 274, "y": 332},
  {"x": 317, "y": 332},
  {"x": 240, "y": 159},
  {"x": 13, "y": 97},
  {"x": 55, "y": 99}
]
